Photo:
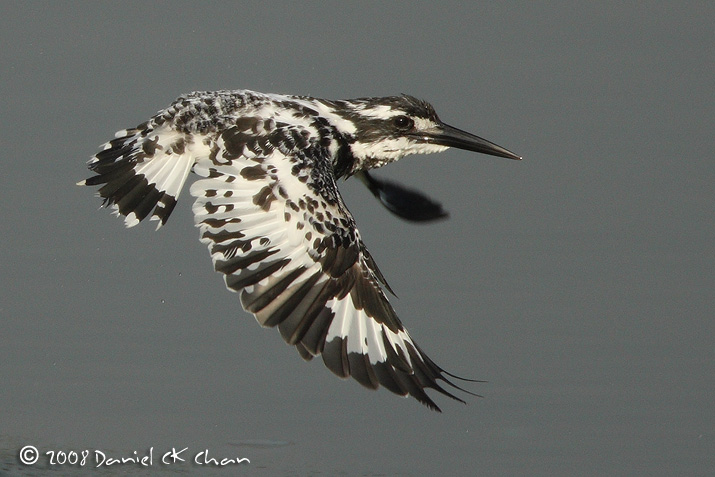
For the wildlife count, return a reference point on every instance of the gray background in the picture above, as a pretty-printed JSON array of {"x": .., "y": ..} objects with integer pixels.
[{"x": 578, "y": 282}]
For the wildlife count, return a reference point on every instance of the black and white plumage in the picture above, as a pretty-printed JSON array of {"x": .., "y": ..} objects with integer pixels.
[{"x": 268, "y": 207}]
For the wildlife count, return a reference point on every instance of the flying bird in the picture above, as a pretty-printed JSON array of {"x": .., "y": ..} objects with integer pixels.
[{"x": 268, "y": 207}]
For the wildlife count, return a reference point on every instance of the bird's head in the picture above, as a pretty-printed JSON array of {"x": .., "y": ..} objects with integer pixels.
[{"x": 383, "y": 130}]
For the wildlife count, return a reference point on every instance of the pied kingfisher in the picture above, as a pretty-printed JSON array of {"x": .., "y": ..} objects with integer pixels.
[{"x": 269, "y": 209}]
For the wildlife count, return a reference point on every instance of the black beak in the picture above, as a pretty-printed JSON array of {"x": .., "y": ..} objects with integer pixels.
[{"x": 450, "y": 136}]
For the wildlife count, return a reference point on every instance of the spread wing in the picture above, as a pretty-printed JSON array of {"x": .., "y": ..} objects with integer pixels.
[{"x": 269, "y": 210}]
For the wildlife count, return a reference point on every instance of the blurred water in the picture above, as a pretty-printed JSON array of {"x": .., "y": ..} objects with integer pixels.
[{"x": 578, "y": 282}]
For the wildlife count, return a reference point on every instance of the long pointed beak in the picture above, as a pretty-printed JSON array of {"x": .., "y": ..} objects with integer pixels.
[{"x": 452, "y": 137}]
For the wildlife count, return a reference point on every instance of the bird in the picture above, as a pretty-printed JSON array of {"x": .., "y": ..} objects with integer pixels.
[{"x": 267, "y": 205}]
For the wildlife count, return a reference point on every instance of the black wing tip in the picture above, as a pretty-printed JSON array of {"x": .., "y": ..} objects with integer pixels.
[
  {"x": 406, "y": 203},
  {"x": 441, "y": 390},
  {"x": 401, "y": 382},
  {"x": 431, "y": 405}
]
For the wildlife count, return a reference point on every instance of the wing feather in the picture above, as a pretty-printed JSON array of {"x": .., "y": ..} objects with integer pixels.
[
  {"x": 304, "y": 268},
  {"x": 144, "y": 168}
]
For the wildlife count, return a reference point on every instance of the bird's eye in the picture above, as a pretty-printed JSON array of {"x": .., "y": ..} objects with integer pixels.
[{"x": 403, "y": 123}]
